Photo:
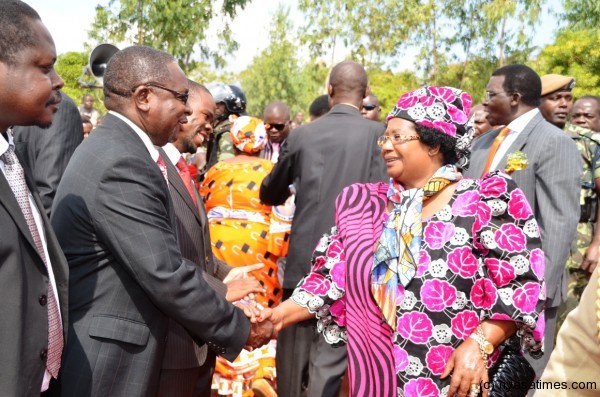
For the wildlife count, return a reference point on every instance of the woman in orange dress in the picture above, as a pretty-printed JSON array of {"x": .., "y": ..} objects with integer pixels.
[{"x": 243, "y": 232}]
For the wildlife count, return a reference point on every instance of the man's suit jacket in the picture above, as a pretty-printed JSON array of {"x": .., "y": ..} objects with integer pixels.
[
  {"x": 23, "y": 292},
  {"x": 321, "y": 158},
  {"x": 48, "y": 151},
  {"x": 115, "y": 222},
  {"x": 551, "y": 182},
  {"x": 193, "y": 237}
]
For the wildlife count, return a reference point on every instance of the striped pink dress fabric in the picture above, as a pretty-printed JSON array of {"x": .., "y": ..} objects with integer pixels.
[{"x": 370, "y": 358}]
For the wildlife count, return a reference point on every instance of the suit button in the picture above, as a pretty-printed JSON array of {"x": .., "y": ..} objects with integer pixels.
[
  {"x": 44, "y": 354},
  {"x": 43, "y": 300}
]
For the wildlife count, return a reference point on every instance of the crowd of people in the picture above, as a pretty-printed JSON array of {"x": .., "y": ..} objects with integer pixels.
[{"x": 185, "y": 248}]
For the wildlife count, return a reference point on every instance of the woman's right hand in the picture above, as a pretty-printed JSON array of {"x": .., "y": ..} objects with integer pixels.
[{"x": 275, "y": 316}]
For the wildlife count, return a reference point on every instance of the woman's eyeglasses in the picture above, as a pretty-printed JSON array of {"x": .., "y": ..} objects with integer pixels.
[
  {"x": 369, "y": 106},
  {"x": 278, "y": 127},
  {"x": 396, "y": 139}
]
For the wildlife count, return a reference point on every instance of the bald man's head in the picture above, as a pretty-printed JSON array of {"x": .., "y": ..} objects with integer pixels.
[
  {"x": 277, "y": 121},
  {"x": 348, "y": 83}
]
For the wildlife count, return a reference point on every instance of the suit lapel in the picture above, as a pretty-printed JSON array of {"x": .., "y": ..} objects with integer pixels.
[
  {"x": 521, "y": 140},
  {"x": 481, "y": 150},
  {"x": 8, "y": 200},
  {"x": 178, "y": 186}
]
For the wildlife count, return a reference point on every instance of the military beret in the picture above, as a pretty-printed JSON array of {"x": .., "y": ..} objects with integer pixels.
[{"x": 555, "y": 82}]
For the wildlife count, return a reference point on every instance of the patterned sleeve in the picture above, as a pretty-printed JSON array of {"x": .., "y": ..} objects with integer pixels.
[
  {"x": 507, "y": 235},
  {"x": 322, "y": 291}
]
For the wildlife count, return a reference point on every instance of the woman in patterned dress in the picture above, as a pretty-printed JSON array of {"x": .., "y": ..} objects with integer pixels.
[
  {"x": 243, "y": 232},
  {"x": 425, "y": 278}
]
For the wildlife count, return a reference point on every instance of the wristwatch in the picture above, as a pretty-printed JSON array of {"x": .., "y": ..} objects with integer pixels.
[{"x": 485, "y": 347}]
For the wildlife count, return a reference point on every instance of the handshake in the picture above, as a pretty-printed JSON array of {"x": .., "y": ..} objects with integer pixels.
[{"x": 241, "y": 289}]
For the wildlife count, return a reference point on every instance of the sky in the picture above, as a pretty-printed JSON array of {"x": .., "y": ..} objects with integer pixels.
[{"x": 69, "y": 20}]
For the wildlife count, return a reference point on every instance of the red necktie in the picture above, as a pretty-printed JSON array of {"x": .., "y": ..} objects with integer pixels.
[
  {"x": 184, "y": 173},
  {"x": 494, "y": 149},
  {"x": 16, "y": 179}
]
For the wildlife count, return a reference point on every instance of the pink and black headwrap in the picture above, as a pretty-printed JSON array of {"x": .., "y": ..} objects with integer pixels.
[{"x": 445, "y": 109}]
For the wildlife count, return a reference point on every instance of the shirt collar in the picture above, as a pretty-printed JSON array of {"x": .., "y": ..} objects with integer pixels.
[
  {"x": 172, "y": 153},
  {"x": 519, "y": 124},
  {"x": 143, "y": 136},
  {"x": 4, "y": 145}
]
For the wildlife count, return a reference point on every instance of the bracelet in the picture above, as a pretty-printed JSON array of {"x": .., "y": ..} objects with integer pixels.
[{"x": 485, "y": 347}]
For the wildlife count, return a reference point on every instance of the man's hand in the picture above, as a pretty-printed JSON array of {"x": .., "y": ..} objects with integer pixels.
[
  {"x": 590, "y": 259},
  {"x": 238, "y": 273},
  {"x": 242, "y": 288},
  {"x": 260, "y": 334}
]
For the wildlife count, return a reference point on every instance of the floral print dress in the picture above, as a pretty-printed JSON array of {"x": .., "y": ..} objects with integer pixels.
[{"x": 480, "y": 259}]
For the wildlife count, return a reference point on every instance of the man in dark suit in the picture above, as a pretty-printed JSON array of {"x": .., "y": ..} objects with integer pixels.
[
  {"x": 115, "y": 221},
  {"x": 187, "y": 367},
  {"x": 33, "y": 270},
  {"x": 551, "y": 179},
  {"x": 320, "y": 159},
  {"x": 47, "y": 154}
]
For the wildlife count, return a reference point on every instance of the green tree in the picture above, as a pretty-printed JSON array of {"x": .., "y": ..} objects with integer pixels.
[
  {"x": 69, "y": 66},
  {"x": 388, "y": 86},
  {"x": 275, "y": 73},
  {"x": 443, "y": 32},
  {"x": 577, "y": 54},
  {"x": 582, "y": 14},
  {"x": 176, "y": 26}
]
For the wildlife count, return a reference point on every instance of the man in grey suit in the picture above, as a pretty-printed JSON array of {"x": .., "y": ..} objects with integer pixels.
[
  {"x": 115, "y": 221},
  {"x": 551, "y": 181},
  {"x": 187, "y": 367},
  {"x": 48, "y": 153},
  {"x": 33, "y": 270},
  {"x": 320, "y": 159}
]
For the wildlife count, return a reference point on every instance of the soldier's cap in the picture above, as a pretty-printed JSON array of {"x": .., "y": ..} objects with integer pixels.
[{"x": 556, "y": 82}]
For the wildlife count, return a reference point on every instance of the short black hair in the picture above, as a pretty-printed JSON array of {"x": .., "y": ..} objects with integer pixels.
[
  {"x": 319, "y": 106},
  {"x": 132, "y": 66},
  {"x": 591, "y": 98},
  {"x": 15, "y": 32},
  {"x": 523, "y": 80},
  {"x": 434, "y": 138}
]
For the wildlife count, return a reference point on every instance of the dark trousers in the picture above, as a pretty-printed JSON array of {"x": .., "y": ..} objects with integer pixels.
[
  {"x": 306, "y": 364},
  {"x": 188, "y": 382}
]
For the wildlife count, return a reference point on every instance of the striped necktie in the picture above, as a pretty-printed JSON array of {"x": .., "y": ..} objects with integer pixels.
[{"x": 16, "y": 179}]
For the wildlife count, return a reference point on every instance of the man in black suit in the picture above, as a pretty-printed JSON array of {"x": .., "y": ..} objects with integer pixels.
[
  {"x": 48, "y": 153},
  {"x": 320, "y": 159},
  {"x": 187, "y": 367},
  {"x": 33, "y": 270},
  {"x": 115, "y": 221}
]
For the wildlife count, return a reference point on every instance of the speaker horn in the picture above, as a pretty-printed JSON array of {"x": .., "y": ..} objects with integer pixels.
[{"x": 97, "y": 65}]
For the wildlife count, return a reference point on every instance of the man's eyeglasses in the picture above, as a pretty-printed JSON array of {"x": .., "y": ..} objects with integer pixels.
[
  {"x": 370, "y": 106},
  {"x": 180, "y": 96},
  {"x": 396, "y": 139},
  {"x": 278, "y": 127}
]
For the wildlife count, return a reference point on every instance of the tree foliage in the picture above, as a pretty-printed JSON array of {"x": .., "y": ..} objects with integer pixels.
[
  {"x": 276, "y": 74},
  {"x": 582, "y": 14},
  {"x": 69, "y": 66},
  {"x": 441, "y": 32},
  {"x": 388, "y": 86},
  {"x": 577, "y": 54},
  {"x": 175, "y": 26}
]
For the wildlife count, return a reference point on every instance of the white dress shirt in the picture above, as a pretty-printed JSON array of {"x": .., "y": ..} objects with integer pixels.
[{"x": 516, "y": 127}]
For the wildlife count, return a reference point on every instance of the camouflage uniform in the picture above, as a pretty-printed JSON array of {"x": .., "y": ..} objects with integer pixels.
[
  {"x": 587, "y": 141},
  {"x": 220, "y": 146}
]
